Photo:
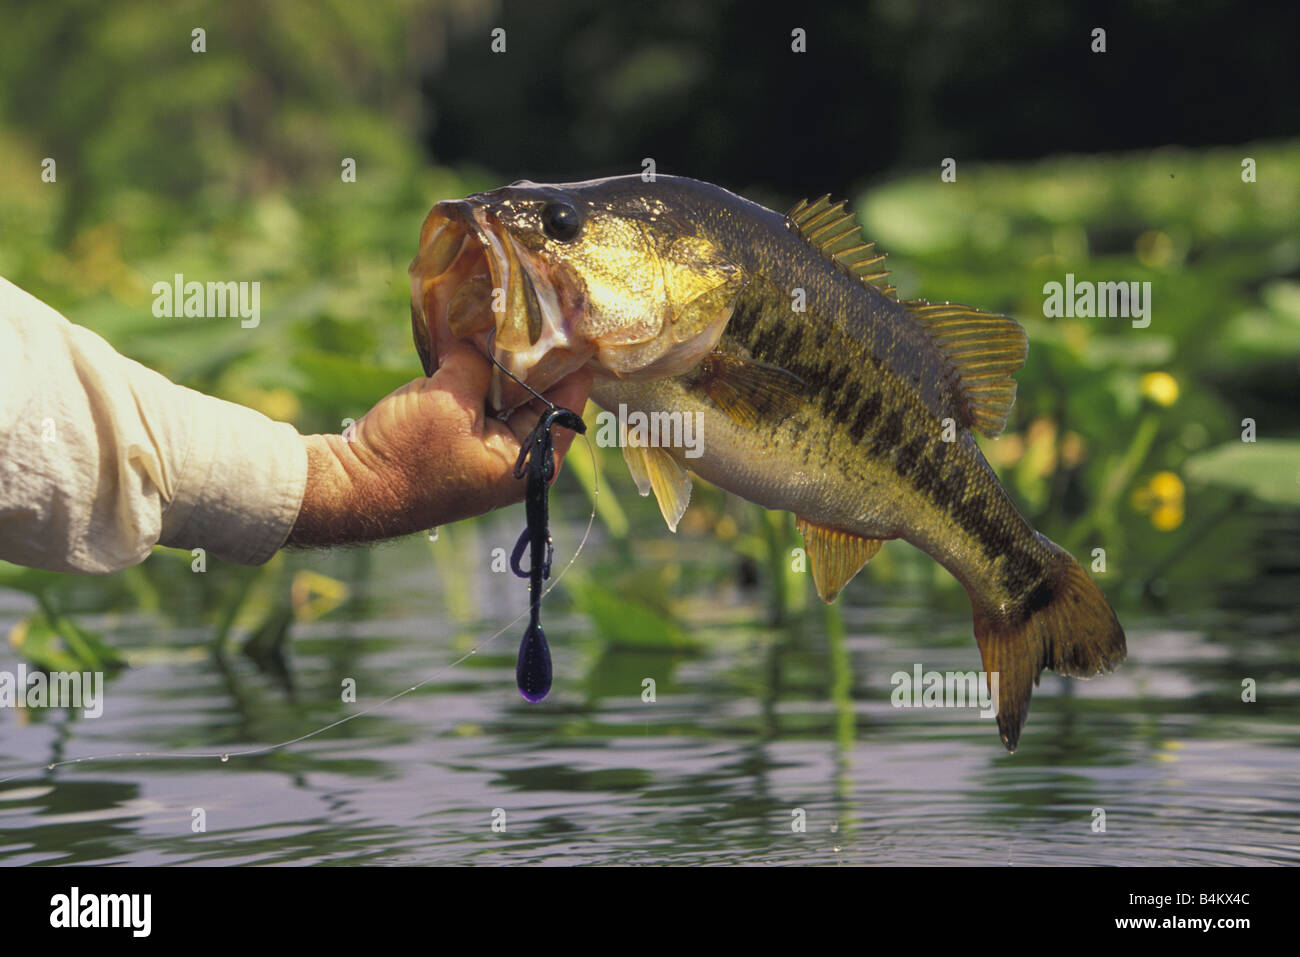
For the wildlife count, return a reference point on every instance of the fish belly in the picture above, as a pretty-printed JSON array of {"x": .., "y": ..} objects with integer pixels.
[
  {"x": 789, "y": 466},
  {"x": 813, "y": 468}
]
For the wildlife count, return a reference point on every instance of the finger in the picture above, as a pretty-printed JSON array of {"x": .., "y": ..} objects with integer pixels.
[
  {"x": 524, "y": 419},
  {"x": 572, "y": 391},
  {"x": 465, "y": 375},
  {"x": 502, "y": 446}
]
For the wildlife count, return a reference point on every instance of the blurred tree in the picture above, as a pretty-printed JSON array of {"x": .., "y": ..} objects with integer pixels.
[
  {"x": 117, "y": 95},
  {"x": 712, "y": 89}
]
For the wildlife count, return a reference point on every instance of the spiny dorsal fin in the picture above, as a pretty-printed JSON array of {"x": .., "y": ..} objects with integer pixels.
[
  {"x": 834, "y": 232},
  {"x": 985, "y": 349},
  {"x": 835, "y": 556}
]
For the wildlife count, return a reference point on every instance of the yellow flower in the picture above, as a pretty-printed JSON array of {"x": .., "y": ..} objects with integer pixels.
[
  {"x": 1167, "y": 487},
  {"x": 1160, "y": 387},
  {"x": 1154, "y": 249},
  {"x": 1167, "y": 517},
  {"x": 1162, "y": 496}
]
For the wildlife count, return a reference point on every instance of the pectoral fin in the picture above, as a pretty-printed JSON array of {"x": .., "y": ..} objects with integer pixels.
[
  {"x": 747, "y": 390},
  {"x": 835, "y": 556},
  {"x": 655, "y": 470}
]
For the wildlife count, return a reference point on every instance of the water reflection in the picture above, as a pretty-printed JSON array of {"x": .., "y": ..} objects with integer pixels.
[{"x": 752, "y": 731}]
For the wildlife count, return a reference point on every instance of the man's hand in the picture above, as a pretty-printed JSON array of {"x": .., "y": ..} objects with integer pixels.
[{"x": 426, "y": 455}]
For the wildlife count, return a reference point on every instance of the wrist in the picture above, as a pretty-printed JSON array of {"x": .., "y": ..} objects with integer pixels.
[{"x": 345, "y": 499}]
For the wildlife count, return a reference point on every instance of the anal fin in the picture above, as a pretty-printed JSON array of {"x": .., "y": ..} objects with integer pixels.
[{"x": 835, "y": 556}]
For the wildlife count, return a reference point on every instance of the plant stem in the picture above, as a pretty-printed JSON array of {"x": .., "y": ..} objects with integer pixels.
[{"x": 1118, "y": 480}]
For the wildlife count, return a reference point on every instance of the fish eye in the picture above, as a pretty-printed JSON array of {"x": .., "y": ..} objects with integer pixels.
[{"x": 561, "y": 221}]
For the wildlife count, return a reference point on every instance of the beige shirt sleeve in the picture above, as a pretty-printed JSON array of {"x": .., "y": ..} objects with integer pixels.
[{"x": 102, "y": 458}]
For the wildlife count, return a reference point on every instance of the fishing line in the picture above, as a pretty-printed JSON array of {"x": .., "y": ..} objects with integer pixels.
[
  {"x": 225, "y": 756},
  {"x": 492, "y": 354}
]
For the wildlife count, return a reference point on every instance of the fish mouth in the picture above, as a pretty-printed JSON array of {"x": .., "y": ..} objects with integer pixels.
[{"x": 473, "y": 280}]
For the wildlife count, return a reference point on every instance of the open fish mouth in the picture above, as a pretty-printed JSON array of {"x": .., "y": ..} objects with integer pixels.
[{"x": 473, "y": 280}]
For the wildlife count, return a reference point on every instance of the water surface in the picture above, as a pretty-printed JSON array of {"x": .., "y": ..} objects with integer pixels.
[{"x": 755, "y": 730}]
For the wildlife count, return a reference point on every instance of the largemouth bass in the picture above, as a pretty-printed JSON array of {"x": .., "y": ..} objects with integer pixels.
[{"x": 818, "y": 391}]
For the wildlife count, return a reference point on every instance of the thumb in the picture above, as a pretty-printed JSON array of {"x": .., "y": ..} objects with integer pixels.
[{"x": 464, "y": 374}]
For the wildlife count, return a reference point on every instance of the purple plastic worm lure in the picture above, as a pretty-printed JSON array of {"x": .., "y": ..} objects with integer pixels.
[{"x": 537, "y": 462}]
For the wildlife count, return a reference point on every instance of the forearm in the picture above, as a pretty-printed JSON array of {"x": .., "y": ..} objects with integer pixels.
[{"x": 102, "y": 458}]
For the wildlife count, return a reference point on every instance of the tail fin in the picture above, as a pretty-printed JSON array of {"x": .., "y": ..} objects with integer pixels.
[{"x": 1065, "y": 624}]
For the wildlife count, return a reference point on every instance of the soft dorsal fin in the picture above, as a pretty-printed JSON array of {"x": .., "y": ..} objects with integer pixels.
[
  {"x": 835, "y": 233},
  {"x": 985, "y": 349}
]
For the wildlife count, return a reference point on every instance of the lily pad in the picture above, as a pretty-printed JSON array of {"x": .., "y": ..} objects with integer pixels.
[{"x": 1268, "y": 469}]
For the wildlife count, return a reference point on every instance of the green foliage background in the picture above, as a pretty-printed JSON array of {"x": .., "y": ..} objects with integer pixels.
[{"x": 226, "y": 165}]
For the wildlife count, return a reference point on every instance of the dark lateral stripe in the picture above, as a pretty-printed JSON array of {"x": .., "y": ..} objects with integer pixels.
[
  {"x": 1039, "y": 598},
  {"x": 841, "y": 411},
  {"x": 796, "y": 336},
  {"x": 781, "y": 344},
  {"x": 888, "y": 434},
  {"x": 866, "y": 415},
  {"x": 1021, "y": 571},
  {"x": 946, "y": 491},
  {"x": 832, "y": 390},
  {"x": 929, "y": 478},
  {"x": 926, "y": 465},
  {"x": 911, "y": 457},
  {"x": 921, "y": 463},
  {"x": 743, "y": 320},
  {"x": 769, "y": 342}
]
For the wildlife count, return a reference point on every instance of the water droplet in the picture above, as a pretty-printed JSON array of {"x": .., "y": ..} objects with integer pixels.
[
  {"x": 225, "y": 758},
  {"x": 433, "y": 534},
  {"x": 49, "y": 767}
]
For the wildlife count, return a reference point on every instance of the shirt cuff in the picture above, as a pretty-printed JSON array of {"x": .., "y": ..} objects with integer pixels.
[{"x": 241, "y": 486}]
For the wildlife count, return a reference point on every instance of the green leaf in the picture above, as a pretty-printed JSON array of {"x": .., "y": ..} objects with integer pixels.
[
  {"x": 348, "y": 383},
  {"x": 62, "y": 645},
  {"x": 33, "y": 581},
  {"x": 621, "y": 621},
  {"x": 1268, "y": 469}
]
